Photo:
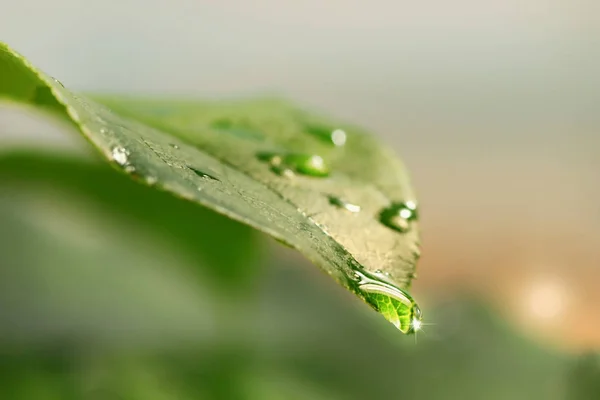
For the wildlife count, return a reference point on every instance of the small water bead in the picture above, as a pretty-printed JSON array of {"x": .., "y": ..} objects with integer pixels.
[
  {"x": 336, "y": 201},
  {"x": 173, "y": 145},
  {"x": 120, "y": 155},
  {"x": 399, "y": 216},
  {"x": 57, "y": 81},
  {"x": 287, "y": 164},
  {"x": 337, "y": 137},
  {"x": 395, "y": 304},
  {"x": 202, "y": 174}
]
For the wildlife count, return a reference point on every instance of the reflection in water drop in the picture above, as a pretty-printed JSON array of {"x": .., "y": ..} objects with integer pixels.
[
  {"x": 173, "y": 145},
  {"x": 395, "y": 304},
  {"x": 336, "y": 201},
  {"x": 202, "y": 174},
  {"x": 337, "y": 137},
  {"x": 290, "y": 163},
  {"x": 399, "y": 216},
  {"x": 120, "y": 155}
]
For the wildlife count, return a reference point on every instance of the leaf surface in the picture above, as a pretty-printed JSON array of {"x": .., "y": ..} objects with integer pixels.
[{"x": 318, "y": 185}]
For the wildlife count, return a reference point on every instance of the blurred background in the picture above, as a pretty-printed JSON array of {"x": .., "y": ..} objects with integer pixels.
[{"x": 491, "y": 104}]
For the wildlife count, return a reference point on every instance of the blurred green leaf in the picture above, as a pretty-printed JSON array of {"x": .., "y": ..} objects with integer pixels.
[
  {"x": 584, "y": 378},
  {"x": 87, "y": 253},
  {"x": 238, "y": 159},
  {"x": 465, "y": 352}
]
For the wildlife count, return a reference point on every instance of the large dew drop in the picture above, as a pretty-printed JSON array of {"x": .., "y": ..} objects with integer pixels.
[{"x": 396, "y": 305}]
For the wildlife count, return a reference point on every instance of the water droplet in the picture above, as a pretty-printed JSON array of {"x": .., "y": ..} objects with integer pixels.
[
  {"x": 173, "y": 145},
  {"x": 103, "y": 131},
  {"x": 120, "y": 155},
  {"x": 151, "y": 180},
  {"x": 410, "y": 204},
  {"x": 336, "y": 201},
  {"x": 202, "y": 174},
  {"x": 399, "y": 216},
  {"x": 337, "y": 137},
  {"x": 129, "y": 169},
  {"x": 283, "y": 171},
  {"x": 395, "y": 304},
  {"x": 59, "y": 82},
  {"x": 290, "y": 163}
]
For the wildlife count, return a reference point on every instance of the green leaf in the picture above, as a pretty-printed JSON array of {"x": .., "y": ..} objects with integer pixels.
[{"x": 295, "y": 176}]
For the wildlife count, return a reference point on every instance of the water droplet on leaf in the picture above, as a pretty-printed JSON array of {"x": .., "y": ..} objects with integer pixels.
[
  {"x": 120, "y": 155},
  {"x": 204, "y": 175},
  {"x": 337, "y": 137},
  {"x": 173, "y": 145},
  {"x": 336, "y": 201},
  {"x": 305, "y": 164},
  {"x": 399, "y": 216},
  {"x": 59, "y": 82},
  {"x": 395, "y": 304}
]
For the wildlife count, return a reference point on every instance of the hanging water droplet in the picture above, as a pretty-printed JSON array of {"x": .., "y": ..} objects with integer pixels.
[
  {"x": 395, "y": 304},
  {"x": 120, "y": 155},
  {"x": 336, "y": 201},
  {"x": 306, "y": 164},
  {"x": 337, "y": 137},
  {"x": 203, "y": 175},
  {"x": 173, "y": 145},
  {"x": 399, "y": 216}
]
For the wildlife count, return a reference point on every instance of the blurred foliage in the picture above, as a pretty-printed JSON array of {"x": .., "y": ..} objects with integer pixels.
[
  {"x": 584, "y": 382},
  {"x": 113, "y": 330}
]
